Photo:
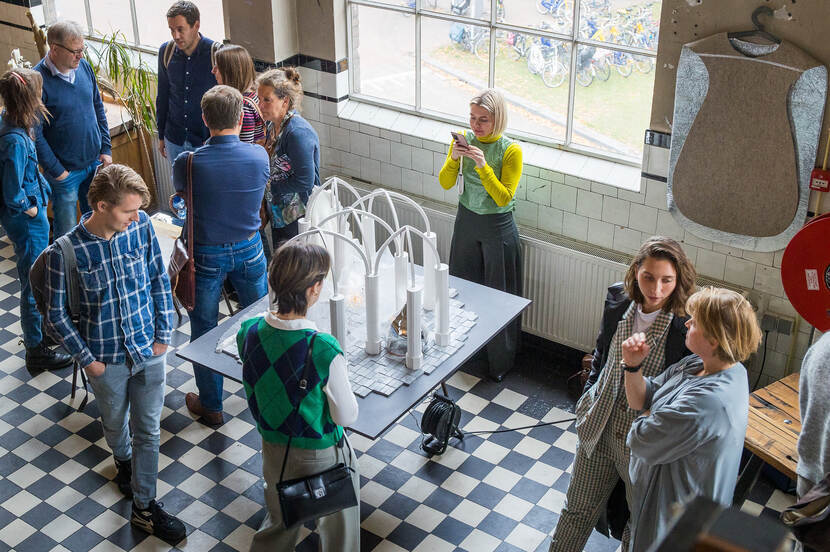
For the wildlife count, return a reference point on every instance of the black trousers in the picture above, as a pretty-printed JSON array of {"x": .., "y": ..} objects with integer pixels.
[{"x": 485, "y": 249}]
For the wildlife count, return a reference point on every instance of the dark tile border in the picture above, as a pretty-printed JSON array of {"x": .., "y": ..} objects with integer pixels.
[
  {"x": 15, "y": 25},
  {"x": 654, "y": 177},
  {"x": 309, "y": 62}
]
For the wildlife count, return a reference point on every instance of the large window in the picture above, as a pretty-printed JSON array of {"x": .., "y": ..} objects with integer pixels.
[
  {"x": 586, "y": 86},
  {"x": 142, "y": 22}
]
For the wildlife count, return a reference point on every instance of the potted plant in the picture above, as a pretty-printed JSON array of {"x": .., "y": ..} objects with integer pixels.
[{"x": 129, "y": 81}]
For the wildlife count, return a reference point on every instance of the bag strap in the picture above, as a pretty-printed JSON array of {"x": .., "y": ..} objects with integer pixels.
[
  {"x": 73, "y": 285},
  {"x": 189, "y": 203},
  {"x": 303, "y": 384},
  {"x": 168, "y": 53},
  {"x": 253, "y": 105}
]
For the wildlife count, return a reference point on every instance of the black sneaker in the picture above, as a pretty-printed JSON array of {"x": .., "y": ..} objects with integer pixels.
[
  {"x": 124, "y": 477},
  {"x": 157, "y": 522},
  {"x": 41, "y": 357}
]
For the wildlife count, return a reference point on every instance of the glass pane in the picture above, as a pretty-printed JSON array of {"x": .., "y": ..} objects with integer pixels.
[
  {"x": 552, "y": 14},
  {"x": 478, "y": 9},
  {"x": 152, "y": 20},
  {"x": 381, "y": 67},
  {"x": 454, "y": 60},
  {"x": 111, "y": 16},
  {"x": 612, "y": 100},
  {"x": 628, "y": 22},
  {"x": 534, "y": 71}
]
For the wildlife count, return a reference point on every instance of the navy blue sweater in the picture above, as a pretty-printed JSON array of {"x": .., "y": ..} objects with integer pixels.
[
  {"x": 229, "y": 179},
  {"x": 77, "y": 132},
  {"x": 180, "y": 89}
]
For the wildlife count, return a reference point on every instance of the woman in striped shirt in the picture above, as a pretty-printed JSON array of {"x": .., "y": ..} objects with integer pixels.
[{"x": 234, "y": 67}]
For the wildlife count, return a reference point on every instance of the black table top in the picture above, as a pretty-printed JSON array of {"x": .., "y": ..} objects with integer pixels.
[{"x": 495, "y": 309}]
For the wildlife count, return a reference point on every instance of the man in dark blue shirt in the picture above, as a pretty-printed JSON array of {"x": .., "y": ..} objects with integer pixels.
[
  {"x": 75, "y": 139},
  {"x": 228, "y": 178},
  {"x": 184, "y": 75}
]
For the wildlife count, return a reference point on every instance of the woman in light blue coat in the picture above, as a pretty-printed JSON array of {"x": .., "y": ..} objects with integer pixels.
[{"x": 688, "y": 439}]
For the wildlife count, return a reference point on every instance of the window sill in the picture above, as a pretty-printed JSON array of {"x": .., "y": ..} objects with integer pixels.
[{"x": 577, "y": 165}]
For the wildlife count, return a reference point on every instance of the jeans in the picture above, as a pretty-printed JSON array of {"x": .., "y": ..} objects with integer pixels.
[
  {"x": 173, "y": 150},
  {"x": 30, "y": 236},
  {"x": 67, "y": 193},
  {"x": 137, "y": 391},
  {"x": 244, "y": 264}
]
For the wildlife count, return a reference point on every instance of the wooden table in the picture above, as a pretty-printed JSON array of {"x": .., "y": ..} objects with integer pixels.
[{"x": 771, "y": 433}]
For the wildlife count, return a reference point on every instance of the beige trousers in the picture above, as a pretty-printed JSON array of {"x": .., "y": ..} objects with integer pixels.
[{"x": 339, "y": 532}]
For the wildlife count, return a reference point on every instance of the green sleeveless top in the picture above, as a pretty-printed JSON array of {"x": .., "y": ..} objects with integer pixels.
[
  {"x": 272, "y": 364},
  {"x": 475, "y": 197}
]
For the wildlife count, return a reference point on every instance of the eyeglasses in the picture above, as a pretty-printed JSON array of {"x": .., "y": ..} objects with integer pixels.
[{"x": 78, "y": 52}]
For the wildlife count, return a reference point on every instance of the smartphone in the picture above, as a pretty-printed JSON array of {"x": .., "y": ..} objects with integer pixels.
[{"x": 459, "y": 139}]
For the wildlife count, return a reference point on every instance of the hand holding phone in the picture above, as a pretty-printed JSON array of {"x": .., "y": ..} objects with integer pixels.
[{"x": 460, "y": 139}]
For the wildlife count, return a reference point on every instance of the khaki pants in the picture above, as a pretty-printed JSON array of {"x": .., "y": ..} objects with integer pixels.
[
  {"x": 339, "y": 532},
  {"x": 592, "y": 480}
]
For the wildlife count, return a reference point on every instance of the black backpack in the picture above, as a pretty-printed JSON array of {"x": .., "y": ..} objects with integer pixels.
[
  {"x": 37, "y": 279},
  {"x": 37, "y": 282}
]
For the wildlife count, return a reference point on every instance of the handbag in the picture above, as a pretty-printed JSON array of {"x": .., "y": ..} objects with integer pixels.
[
  {"x": 809, "y": 518},
  {"x": 314, "y": 496},
  {"x": 182, "y": 268}
]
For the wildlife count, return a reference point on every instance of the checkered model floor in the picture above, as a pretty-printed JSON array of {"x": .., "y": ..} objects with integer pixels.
[{"x": 502, "y": 492}]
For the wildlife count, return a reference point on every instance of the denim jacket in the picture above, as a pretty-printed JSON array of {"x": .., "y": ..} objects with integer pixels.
[{"x": 23, "y": 185}]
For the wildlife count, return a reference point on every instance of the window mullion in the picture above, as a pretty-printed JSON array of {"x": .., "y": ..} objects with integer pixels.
[
  {"x": 88, "y": 17},
  {"x": 572, "y": 75},
  {"x": 418, "y": 57},
  {"x": 135, "y": 23}
]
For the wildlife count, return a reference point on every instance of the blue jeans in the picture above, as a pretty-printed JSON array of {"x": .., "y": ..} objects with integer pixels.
[
  {"x": 135, "y": 395},
  {"x": 173, "y": 150},
  {"x": 30, "y": 236},
  {"x": 67, "y": 193},
  {"x": 244, "y": 264}
]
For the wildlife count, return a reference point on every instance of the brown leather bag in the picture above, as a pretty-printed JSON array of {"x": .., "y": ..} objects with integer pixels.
[{"x": 182, "y": 268}]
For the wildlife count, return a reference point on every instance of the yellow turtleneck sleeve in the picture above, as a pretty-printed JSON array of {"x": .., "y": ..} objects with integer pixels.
[{"x": 501, "y": 191}]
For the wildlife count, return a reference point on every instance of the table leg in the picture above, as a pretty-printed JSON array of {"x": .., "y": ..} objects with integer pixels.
[
  {"x": 444, "y": 389},
  {"x": 747, "y": 479}
]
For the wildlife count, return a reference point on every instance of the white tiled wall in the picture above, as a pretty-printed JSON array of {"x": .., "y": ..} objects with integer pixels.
[{"x": 557, "y": 194}]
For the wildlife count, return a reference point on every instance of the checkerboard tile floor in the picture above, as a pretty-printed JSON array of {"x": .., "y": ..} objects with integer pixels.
[{"x": 499, "y": 492}]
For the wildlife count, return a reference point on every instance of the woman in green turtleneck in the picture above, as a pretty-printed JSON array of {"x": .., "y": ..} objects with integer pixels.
[{"x": 485, "y": 242}]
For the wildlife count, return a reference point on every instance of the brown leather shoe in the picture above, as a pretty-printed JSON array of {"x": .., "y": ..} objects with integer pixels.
[{"x": 194, "y": 405}]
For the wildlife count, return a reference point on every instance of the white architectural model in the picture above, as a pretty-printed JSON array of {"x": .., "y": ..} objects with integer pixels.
[
  {"x": 369, "y": 286},
  {"x": 325, "y": 217}
]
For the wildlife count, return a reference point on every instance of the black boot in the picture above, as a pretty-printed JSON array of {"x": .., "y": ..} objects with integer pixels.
[
  {"x": 41, "y": 357},
  {"x": 124, "y": 477}
]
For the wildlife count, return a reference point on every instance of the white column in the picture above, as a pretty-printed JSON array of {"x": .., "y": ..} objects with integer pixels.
[
  {"x": 303, "y": 225},
  {"x": 429, "y": 270},
  {"x": 414, "y": 346},
  {"x": 339, "y": 249},
  {"x": 367, "y": 225},
  {"x": 401, "y": 266},
  {"x": 372, "y": 315},
  {"x": 337, "y": 313},
  {"x": 442, "y": 314}
]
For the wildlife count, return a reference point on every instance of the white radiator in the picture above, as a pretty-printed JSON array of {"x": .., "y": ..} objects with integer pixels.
[{"x": 567, "y": 286}]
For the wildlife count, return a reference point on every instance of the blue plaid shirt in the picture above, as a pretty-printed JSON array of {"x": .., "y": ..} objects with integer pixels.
[{"x": 125, "y": 300}]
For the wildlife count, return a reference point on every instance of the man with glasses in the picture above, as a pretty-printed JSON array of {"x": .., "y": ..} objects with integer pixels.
[
  {"x": 185, "y": 74},
  {"x": 75, "y": 139}
]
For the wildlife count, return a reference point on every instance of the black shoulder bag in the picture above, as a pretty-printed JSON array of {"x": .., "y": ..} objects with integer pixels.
[{"x": 314, "y": 496}]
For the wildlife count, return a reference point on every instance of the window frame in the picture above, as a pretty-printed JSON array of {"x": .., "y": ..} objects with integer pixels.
[{"x": 572, "y": 38}]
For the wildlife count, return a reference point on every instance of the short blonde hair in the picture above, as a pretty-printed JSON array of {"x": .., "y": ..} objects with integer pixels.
[
  {"x": 115, "y": 181},
  {"x": 728, "y": 318},
  {"x": 493, "y": 101}
]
